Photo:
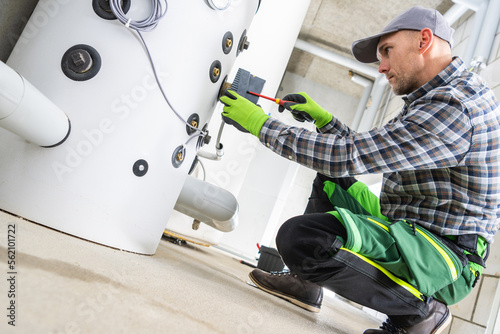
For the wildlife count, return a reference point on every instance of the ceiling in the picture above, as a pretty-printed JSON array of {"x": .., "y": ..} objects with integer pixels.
[{"x": 335, "y": 24}]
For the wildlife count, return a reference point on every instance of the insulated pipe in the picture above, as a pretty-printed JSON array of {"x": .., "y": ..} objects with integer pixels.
[
  {"x": 386, "y": 106},
  {"x": 488, "y": 32},
  {"x": 378, "y": 87},
  {"x": 480, "y": 7},
  {"x": 26, "y": 112},
  {"x": 370, "y": 114},
  {"x": 455, "y": 13},
  {"x": 337, "y": 59},
  {"x": 209, "y": 204},
  {"x": 368, "y": 84},
  {"x": 471, "y": 4}
]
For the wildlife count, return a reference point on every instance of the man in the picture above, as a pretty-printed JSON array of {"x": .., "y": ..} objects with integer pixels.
[{"x": 422, "y": 246}]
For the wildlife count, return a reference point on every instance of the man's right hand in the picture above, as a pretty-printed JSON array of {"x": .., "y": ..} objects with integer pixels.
[{"x": 303, "y": 108}]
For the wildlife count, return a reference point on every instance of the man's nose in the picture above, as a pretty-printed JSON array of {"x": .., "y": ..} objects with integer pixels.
[{"x": 383, "y": 67}]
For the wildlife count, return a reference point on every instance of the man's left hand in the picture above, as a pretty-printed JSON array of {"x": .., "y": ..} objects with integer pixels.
[{"x": 243, "y": 114}]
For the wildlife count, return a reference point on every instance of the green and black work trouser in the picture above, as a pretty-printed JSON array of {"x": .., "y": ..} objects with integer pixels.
[{"x": 346, "y": 245}]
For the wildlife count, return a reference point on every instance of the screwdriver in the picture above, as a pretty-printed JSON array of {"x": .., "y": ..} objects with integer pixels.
[{"x": 278, "y": 101}]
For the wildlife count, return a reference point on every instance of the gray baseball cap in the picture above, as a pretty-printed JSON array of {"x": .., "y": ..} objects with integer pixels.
[{"x": 415, "y": 18}]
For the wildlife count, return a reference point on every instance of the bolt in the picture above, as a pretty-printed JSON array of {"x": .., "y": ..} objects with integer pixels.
[
  {"x": 80, "y": 61},
  {"x": 180, "y": 156},
  {"x": 244, "y": 44},
  {"x": 229, "y": 42},
  {"x": 216, "y": 71}
]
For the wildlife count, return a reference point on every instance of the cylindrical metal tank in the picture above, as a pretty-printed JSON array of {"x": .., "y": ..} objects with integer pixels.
[{"x": 116, "y": 178}]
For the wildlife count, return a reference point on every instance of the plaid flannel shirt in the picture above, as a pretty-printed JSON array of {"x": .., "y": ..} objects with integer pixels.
[{"x": 440, "y": 157}]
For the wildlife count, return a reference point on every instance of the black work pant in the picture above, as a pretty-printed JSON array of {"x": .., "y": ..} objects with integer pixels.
[{"x": 305, "y": 244}]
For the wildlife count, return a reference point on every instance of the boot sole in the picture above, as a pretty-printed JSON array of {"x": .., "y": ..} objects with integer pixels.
[
  {"x": 443, "y": 325},
  {"x": 291, "y": 299}
]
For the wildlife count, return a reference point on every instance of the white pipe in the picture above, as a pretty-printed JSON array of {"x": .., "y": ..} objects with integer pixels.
[
  {"x": 488, "y": 32},
  {"x": 368, "y": 84},
  {"x": 338, "y": 59},
  {"x": 219, "y": 153},
  {"x": 371, "y": 113},
  {"x": 209, "y": 204},
  {"x": 377, "y": 89},
  {"x": 386, "y": 106},
  {"x": 26, "y": 112},
  {"x": 471, "y": 4},
  {"x": 480, "y": 7},
  {"x": 455, "y": 13}
]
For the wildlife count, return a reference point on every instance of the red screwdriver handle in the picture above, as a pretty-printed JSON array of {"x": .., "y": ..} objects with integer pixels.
[{"x": 278, "y": 101}]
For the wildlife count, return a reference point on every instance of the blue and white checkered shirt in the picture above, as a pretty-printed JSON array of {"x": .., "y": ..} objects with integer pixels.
[{"x": 440, "y": 157}]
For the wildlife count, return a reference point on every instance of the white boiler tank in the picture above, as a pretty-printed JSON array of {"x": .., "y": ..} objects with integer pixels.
[{"x": 117, "y": 176}]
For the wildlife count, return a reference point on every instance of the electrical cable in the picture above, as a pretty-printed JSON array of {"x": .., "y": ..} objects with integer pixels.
[
  {"x": 192, "y": 137},
  {"x": 158, "y": 11},
  {"x": 203, "y": 169},
  {"x": 202, "y": 133}
]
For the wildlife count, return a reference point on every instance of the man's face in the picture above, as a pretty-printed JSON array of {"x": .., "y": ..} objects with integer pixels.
[{"x": 398, "y": 53}]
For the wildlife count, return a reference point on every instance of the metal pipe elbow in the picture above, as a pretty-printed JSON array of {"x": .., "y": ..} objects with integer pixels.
[{"x": 209, "y": 204}]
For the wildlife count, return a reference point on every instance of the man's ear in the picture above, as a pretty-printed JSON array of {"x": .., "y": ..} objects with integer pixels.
[{"x": 426, "y": 40}]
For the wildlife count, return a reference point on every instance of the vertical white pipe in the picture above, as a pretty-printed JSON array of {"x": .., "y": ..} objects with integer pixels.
[
  {"x": 386, "y": 106},
  {"x": 368, "y": 84},
  {"x": 480, "y": 7},
  {"x": 488, "y": 31},
  {"x": 371, "y": 113},
  {"x": 493, "y": 326}
]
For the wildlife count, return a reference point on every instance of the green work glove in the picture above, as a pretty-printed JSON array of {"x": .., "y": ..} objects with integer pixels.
[
  {"x": 303, "y": 108},
  {"x": 243, "y": 114}
]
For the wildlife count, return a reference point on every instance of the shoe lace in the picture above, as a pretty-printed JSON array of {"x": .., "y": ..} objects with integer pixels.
[{"x": 391, "y": 328}]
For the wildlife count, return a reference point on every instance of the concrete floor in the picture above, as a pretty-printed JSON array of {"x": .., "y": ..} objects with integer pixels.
[{"x": 68, "y": 285}]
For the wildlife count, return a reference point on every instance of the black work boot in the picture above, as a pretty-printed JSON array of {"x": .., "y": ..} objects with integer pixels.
[
  {"x": 290, "y": 287},
  {"x": 436, "y": 322}
]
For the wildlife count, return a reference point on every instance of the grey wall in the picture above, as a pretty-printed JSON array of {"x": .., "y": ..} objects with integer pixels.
[{"x": 13, "y": 17}]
